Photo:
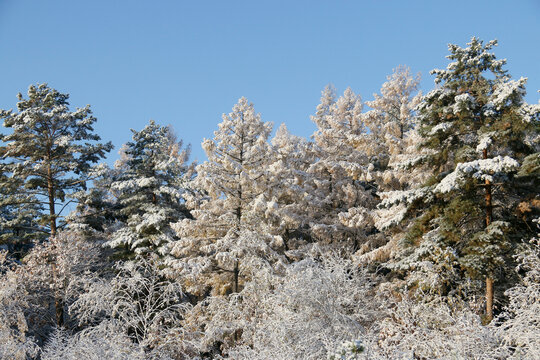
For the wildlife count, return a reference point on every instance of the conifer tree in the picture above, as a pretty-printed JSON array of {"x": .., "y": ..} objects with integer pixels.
[
  {"x": 150, "y": 184},
  {"x": 286, "y": 213},
  {"x": 391, "y": 124},
  {"x": 51, "y": 151},
  {"x": 339, "y": 191},
  {"x": 215, "y": 243},
  {"x": 50, "y": 148},
  {"x": 97, "y": 211},
  {"x": 475, "y": 128},
  {"x": 391, "y": 145}
]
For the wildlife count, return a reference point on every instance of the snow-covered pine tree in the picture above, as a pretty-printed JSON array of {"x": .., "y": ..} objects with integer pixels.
[
  {"x": 50, "y": 150},
  {"x": 475, "y": 128},
  {"x": 219, "y": 244},
  {"x": 150, "y": 185},
  {"x": 338, "y": 189}
]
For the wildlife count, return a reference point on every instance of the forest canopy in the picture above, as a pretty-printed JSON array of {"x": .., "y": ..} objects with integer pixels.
[{"x": 405, "y": 227}]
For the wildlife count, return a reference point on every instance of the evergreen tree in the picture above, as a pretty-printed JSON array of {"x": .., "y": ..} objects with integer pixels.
[
  {"x": 97, "y": 210},
  {"x": 474, "y": 126},
  {"x": 391, "y": 122},
  {"x": 149, "y": 187},
  {"x": 50, "y": 151}
]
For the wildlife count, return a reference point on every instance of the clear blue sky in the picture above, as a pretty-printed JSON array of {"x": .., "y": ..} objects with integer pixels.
[{"x": 186, "y": 62}]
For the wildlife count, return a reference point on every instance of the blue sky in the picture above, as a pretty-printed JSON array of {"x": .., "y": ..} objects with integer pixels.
[{"x": 187, "y": 62}]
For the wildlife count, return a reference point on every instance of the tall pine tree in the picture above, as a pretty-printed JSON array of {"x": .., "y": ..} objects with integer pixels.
[
  {"x": 50, "y": 151},
  {"x": 475, "y": 128}
]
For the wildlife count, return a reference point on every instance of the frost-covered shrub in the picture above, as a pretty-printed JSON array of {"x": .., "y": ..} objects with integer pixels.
[
  {"x": 14, "y": 341},
  {"x": 142, "y": 305},
  {"x": 436, "y": 329},
  {"x": 101, "y": 342},
  {"x": 28, "y": 291},
  {"x": 521, "y": 329},
  {"x": 349, "y": 350},
  {"x": 51, "y": 273},
  {"x": 316, "y": 305}
]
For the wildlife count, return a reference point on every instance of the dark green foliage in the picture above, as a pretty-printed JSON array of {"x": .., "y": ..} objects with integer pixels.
[{"x": 477, "y": 126}]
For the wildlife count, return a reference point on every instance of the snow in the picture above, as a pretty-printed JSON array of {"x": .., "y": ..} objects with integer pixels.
[
  {"x": 506, "y": 90},
  {"x": 485, "y": 141},
  {"x": 463, "y": 102},
  {"x": 351, "y": 245},
  {"x": 485, "y": 169},
  {"x": 442, "y": 127}
]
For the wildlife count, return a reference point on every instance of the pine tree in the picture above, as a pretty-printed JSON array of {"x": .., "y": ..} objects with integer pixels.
[
  {"x": 214, "y": 244},
  {"x": 149, "y": 187},
  {"x": 474, "y": 126},
  {"x": 50, "y": 151}
]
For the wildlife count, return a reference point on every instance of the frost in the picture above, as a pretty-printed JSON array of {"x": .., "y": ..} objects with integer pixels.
[
  {"x": 489, "y": 110},
  {"x": 349, "y": 350},
  {"x": 406, "y": 197},
  {"x": 386, "y": 218}
]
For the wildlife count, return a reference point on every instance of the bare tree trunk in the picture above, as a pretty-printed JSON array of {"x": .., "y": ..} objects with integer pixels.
[
  {"x": 236, "y": 273},
  {"x": 236, "y": 270},
  {"x": 58, "y": 302},
  {"x": 489, "y": 219},
  {"x": 52, "y": 211},
  {"x": 489, "y": 298}
]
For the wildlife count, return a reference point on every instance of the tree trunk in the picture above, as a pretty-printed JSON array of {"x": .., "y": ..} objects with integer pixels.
[
  {"x": 58, "y": 302},
  {"x": 489, "y": 298},
  {"x": 489, "y": 219},
  {"x": 52, "y": 211},
  {"x": 235, "y": 280}
]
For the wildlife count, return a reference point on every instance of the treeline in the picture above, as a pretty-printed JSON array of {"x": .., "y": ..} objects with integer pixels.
[{"x": 404, "y": 228}]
